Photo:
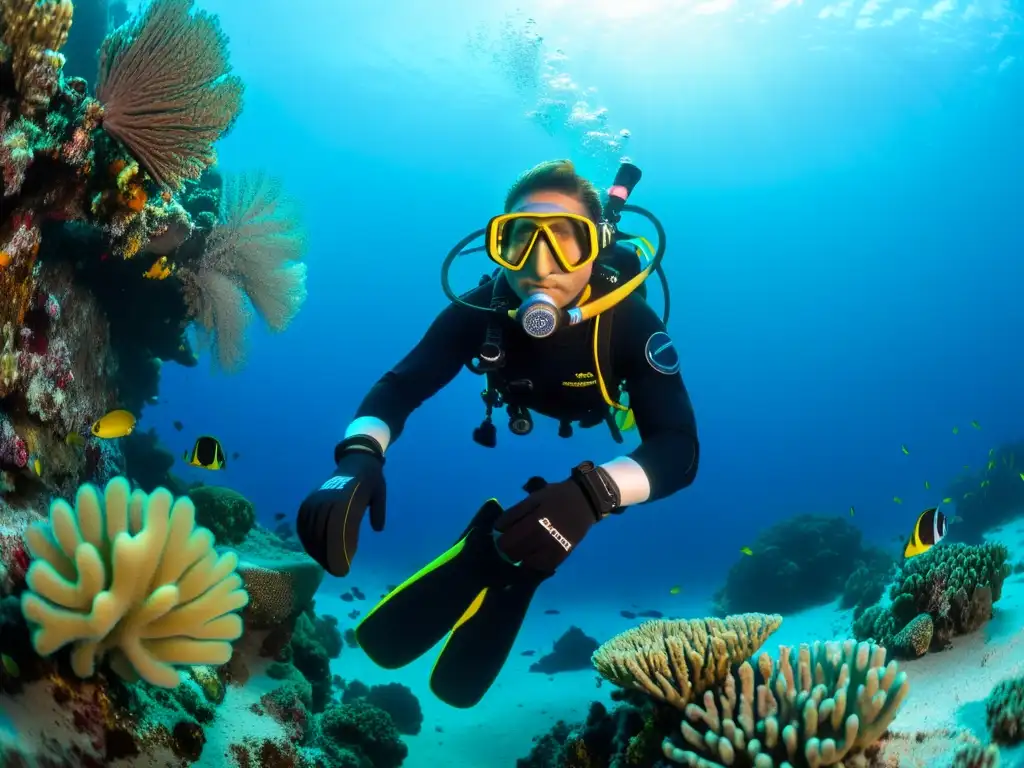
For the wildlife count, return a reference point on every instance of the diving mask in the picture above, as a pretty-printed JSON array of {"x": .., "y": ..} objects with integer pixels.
[{"x": 572, "y": 239}]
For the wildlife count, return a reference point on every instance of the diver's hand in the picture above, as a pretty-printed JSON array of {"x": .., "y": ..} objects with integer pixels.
[
  {"x": 544, "y": 528},
  {"x": 329, "y": 519}
]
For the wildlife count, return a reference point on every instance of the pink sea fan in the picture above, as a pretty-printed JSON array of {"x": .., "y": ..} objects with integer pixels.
[{"x": 252, "y": 256}]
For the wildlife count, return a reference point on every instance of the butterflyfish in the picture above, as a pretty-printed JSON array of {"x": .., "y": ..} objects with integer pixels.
[
  {"x": 207, "y": 453},
  {"x": 929, "y": 530},
  {"x": 119, "y": 423}
]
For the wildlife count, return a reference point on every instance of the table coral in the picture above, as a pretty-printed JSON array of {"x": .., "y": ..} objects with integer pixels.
[{"x": 675, "y": 661}]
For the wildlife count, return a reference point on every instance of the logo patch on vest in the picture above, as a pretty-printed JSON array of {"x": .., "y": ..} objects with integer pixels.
[{"x": 661, "y": 354}]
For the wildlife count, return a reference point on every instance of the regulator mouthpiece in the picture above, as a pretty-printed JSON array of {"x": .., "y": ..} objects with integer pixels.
[{"x": 539, "y": 316}]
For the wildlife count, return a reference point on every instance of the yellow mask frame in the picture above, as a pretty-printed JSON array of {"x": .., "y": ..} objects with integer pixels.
[{"x": 497, "y": 243}]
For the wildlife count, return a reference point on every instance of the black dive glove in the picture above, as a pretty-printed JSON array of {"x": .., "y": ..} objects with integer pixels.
[
  {"x": 329, "y": 519},
  {"x": 541, "y": 530}
]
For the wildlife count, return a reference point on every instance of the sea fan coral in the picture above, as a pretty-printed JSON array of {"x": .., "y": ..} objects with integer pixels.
[
  {"x": 253, "y": 252},
  {"x": 166, "y": 89}
]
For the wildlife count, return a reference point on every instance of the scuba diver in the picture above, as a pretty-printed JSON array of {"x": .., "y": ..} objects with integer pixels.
[{"x": 562, "y": 328}]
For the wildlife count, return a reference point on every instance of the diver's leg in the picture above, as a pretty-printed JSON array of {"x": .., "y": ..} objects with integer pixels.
[
  {"x": 419, "y": 612},
  {"x": 481, "y": 641}
]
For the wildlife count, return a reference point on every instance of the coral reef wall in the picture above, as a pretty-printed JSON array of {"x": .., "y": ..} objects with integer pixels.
[{"x": 116, "y": 232}]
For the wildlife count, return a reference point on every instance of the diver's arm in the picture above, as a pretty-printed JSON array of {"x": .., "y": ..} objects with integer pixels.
[
  {"x": 666, "y": 460},
  {"x": 449, "y": 343}
]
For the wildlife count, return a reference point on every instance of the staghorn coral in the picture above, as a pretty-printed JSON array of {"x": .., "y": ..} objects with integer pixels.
[
  {"x": 167, "y": 91},
  {"x": 35, "y": 31},
  {"x": 822, "y": 704},
  {"x": 251, "y": 256},
  {"x": 1004, "y": 710},
  {"x": 955, "y": 584},
  {"x": 675, "y": 661},
  {"x": 131, "y": 575}
]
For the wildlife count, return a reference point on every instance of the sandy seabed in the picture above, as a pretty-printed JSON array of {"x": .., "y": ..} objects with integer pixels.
[{"x": 947, "y": 692}]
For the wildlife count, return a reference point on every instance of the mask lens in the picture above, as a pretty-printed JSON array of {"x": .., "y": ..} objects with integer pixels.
[{"x": 569, "y": 239}]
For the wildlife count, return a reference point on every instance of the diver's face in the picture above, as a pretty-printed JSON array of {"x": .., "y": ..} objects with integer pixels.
[{"x": 541, "y": 273}]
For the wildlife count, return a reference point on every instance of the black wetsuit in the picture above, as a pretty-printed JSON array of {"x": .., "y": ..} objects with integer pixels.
[{"x": 562, "y": 380}]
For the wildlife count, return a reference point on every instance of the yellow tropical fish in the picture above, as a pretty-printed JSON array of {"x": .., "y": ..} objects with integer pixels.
[
  {"x": 905, "y": 451},
  {"x": 956, "y": 430},
  {"x": 948, "y": 500},
  {"x": 675, "y": 590},
  {"x": 851, "y": 510},
  {"x": 968, "y": 494},
  {"x": 119, "y": 423},
  {"x": 10, "y": 665},
  {"x": 37, "y": 467},
  {"x": 976, "y": 425},
  {"x": 747, "y": 551},
  {"x": 927, "y": 485},
  {"x": 985, "y": 482},
  {"x": 1021, "y": 475},
  {"x": 897, "y": 499},
  {"x": 991, "y": 466},
  {"x": 160, "y": 269}
]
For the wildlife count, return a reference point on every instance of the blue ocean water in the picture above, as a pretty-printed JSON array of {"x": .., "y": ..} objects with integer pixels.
[{"x": 842, "y": 189}]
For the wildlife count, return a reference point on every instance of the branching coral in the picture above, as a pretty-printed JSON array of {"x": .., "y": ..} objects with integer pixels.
[
  {"x": 34, "y": 31},
  {"x": 955, "y": 584},
  {"x": 252, "y": 253},
  {"x": 132, "y": 575},
  {"x": 822, "y": 704},
  {"x": 166, "y": 89},
  {"x": 675, "y": 661}
]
